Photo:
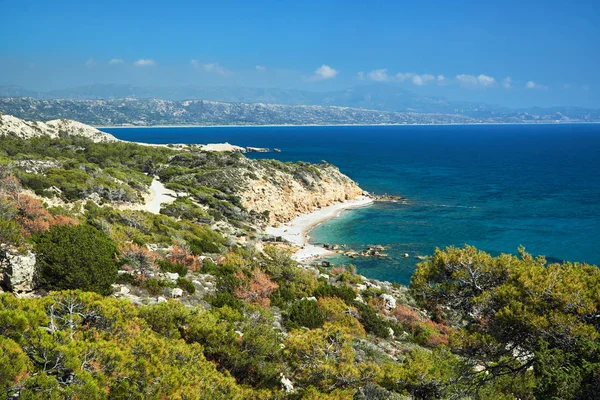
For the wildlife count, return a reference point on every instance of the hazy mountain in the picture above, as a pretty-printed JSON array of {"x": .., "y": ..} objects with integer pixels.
[{"x": 362, "y": 97}]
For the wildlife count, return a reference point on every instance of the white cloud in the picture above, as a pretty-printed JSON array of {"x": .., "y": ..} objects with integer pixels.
[
  {"x": 361, "y": 75},
  {"x": 485, "y": 80},
  {"x": 416, "y": 79},
  {"x": 115, "y": 61},
  {"x": 90, "y": 63},
  {"x": 507, "y": 82},
  {"x": 324, "y": 72},
  {"x": 210, "y": 68},
  {"x": 533, "y": 85},
  {"x": 143, "y": 62},
  {"x": 379, "y": 75},
  {"x": 466, "y": 80},
  {"x": 473, "y": 81},
  {"x": 261, "y": 68}
]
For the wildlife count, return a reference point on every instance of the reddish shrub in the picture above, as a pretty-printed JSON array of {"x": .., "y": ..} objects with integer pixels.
[
  {"x": 256, "y": 289},
  {"x": 180, "y": 255}
]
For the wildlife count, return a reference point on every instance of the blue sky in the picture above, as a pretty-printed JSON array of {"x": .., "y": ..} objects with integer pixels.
[{"x": 515, "y": 53}]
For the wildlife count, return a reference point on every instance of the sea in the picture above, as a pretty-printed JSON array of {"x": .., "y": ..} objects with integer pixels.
[{"x": 491, "y": 186}]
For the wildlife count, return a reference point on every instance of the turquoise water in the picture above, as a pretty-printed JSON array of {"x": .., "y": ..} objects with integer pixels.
[{"x": 491, "y": 186}]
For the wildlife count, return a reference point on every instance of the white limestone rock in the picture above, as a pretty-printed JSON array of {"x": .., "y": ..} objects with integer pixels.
[
  {"x": 53, "y": 129},
  {"x": 390, "y": 301},
  {"x": 172, "y": 275},
  {"x": 17, "y": 270}
]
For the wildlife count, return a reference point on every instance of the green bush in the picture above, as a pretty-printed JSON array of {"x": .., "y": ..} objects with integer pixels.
[
  {"x": 155, "y": 286},
  {"x": 305, "y": 313},
  {"x": 186, "y": 285},
  {"x": 223, "y": 299},
  {"x": 168, "y": 266},
  {"x": 372, "y": 322},
  {"x": 345, "y": 293},
  {"x": 208, "y": 266},
  {"x": 76, "y": 257},
  {"x": 126, "y": 279}
]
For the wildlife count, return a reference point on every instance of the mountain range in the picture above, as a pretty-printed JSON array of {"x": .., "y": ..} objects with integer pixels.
[{"x": 362, "y": 104}]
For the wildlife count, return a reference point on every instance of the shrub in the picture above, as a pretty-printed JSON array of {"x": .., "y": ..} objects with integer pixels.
[
  {"x": 126, "y": 279},
  {"x": 223, "y": 299},
  {"x": 76, "y": 257},
  {"x": 208, "y": 266},
  {"x": 155, "y": 286},
  {"x": 372, "y": 322},
  {"x": 257, "y": 289},
  {"x": 336, "y": 311},
  {"x": 306, "y": 313},
  {"x": 345, "y": 293},
  {"x": 168, "y": 266},
  {"x": 186, "y": 285}
]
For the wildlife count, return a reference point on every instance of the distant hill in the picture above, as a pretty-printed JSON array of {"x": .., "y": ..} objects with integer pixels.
[
  {"x": 145, "y": 112},
  {"x": 362, "y": 104}
]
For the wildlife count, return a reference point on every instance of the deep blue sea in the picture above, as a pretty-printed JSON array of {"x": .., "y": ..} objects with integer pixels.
[{"x": 491, "y": 186}]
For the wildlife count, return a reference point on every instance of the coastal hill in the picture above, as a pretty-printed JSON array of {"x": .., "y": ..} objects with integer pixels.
[
  {"x": 52, "y": 129},
  {"x": 275, "y": 190},
  {"x": 114, "y": 105},
  {"x": 148, "y": 112},
  {"x": 141, "y": 271},
  {"x": 381, "y": 97}
]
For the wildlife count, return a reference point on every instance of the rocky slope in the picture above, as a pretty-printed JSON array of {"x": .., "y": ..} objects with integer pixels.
[
  {"x": 29, "y": 129},
  {"x": 285, "y": 195},
  {"x": 145, "y": 112}
]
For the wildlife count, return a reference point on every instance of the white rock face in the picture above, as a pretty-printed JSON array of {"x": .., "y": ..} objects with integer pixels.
[
  {"x": 286, "y": 384},
  {"x": 29, "y": 129},
  {"x": 172, "y": 275},
  {"x": 177, "y": 292},
  {"x": 222, "y": 147},
  {"x": 390, "y": 301},
  {"x": 285, "y": 196},
  {"x": 17, "y": 270}
]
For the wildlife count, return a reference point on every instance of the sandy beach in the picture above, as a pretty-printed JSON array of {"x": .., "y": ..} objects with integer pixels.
[{"x": 296, "y": 231}]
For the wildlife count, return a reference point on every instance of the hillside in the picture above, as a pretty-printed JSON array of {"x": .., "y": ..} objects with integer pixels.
[
  {"x": 22, "y": 129},
  {"x": 107, "y": 299},
  {"x": 144, "y": 112},
  {"x": 379, "y": 97}
]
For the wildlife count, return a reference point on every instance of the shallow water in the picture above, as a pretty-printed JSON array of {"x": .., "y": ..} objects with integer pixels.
[{"x": 492, "y": 186}]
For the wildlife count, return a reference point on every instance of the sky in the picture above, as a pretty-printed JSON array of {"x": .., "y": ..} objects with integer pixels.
[{"x": 513, "y": 53}]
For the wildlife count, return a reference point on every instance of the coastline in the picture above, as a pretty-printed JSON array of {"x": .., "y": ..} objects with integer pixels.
[
  {"x": 297, "y": 230},
  {"x": 338, "y": 125}
]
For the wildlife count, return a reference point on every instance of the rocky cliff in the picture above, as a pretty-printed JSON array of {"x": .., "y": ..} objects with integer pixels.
[
  {"x": 30, "y": 129},
  {"x": 285, "y": 194}
]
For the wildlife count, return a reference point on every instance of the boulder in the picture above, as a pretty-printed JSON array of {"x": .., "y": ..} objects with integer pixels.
[
  {"x": 390, "y": 301},
  {"x": 286, "y": 384},
  {"x": 160, "y": 299},
  {"x": 177, "y": 292},
  {"x": 17, "y": 270},
  {"x": 172, "y": 275}
]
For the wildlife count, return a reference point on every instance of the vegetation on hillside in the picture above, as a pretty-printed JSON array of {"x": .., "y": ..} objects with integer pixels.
[{"x": 183, "y": 309}]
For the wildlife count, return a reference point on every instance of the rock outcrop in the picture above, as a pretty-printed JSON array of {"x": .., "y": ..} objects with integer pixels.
[
  {"x": 286, "y": 195},
  {"x": 17, "y": 270},
  {"x": 29, "y": 129}
]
